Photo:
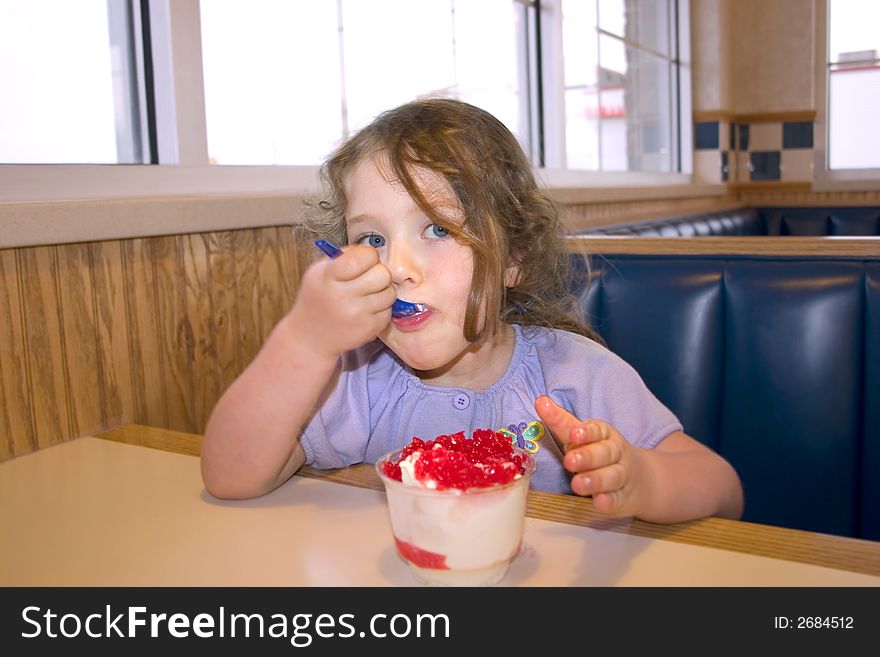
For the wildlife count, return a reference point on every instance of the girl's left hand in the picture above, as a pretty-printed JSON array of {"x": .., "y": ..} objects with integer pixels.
[{"x": 604, "y": 463}]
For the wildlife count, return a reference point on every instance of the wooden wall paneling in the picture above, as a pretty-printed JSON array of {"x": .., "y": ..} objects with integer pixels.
[
  {"x": 147, "y": 330},
  {"x": 759, "y": 197},
  {"x": 288, "y": 248},
  {"x": 175, "y": 331},
  {"x": 751, "y": 245},
  {"x": 45, "y": 359},
  {"x": 247, "y": 298},
  {"x": 112, "y": 299},
  {"x": 79, "y": 335},
  {"x": 17, "y": 435},
  {"x": 147, "y": 372},
  {"x": 225, "y": 310},
  {"x": 200, "y": 311},
  {"x": 270, "y": 285}
]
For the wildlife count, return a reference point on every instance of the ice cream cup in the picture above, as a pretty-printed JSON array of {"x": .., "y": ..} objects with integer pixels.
[{"x": 458, "y": 537}]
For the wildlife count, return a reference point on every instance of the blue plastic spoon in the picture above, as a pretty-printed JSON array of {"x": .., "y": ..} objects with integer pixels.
[{"x": 399, "y": 309}]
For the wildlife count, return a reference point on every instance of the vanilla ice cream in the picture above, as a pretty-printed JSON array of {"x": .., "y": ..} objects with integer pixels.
[{"x": 463, "y": 536}]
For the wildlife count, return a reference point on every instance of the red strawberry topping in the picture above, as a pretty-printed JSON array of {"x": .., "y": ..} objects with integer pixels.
[{"x": 487, "y": 458}]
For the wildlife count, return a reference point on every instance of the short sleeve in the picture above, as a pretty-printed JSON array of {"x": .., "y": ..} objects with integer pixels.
[
  {"x": 593, "y": 382},
  {"x": 337, "y": 434},
  {"x": 619, "y": 396}
]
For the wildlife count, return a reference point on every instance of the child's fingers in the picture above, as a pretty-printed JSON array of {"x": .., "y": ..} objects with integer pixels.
[
  {"x": 612, "y": 503},
  {"x": 589, "y": 431},
  {"x": 381, "y": 301},
  {"x": 608, "y": 489},
  {"x": 375, "y": 279},
  {"x": 580, "y": 458},
  {"x": 558, "y": 420},
  {"x": 354, "y": 262},
  {"x": 601, "y": 480}
]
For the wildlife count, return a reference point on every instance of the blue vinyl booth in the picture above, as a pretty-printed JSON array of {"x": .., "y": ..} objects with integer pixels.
[
  {"x": 806, "y": 221},
  {"x": 774, "y": 362}
]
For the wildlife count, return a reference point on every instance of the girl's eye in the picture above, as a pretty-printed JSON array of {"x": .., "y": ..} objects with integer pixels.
[
  {"x": 373, "y": 239},
  {"x": 436, "y": 231}
]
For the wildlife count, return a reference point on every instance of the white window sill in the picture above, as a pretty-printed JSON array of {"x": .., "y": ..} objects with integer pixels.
[
  {"x": 54, "y": 204},
  {"x": 42, "y": 183}
]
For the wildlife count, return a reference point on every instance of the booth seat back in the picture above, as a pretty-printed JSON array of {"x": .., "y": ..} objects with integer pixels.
[
  {"x": 773, "y": 362},
  {"x": 739, "y": 221},
  {"x": 821, "y": 221},
  {"x": 803, "y": 222}
]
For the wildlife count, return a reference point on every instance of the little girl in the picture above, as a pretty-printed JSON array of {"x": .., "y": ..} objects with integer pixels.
[{"x": 439, "y": 207}]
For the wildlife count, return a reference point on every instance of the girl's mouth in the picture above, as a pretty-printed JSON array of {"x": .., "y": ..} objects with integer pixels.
[
  {"x": 407, "y": 309},
  {"x": 413, "y": 319}
]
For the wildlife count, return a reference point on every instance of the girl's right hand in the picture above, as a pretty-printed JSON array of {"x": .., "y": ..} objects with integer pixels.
[{"x": 343, "y": 302}]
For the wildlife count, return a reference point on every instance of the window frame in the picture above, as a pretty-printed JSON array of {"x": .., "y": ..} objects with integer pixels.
[
  {"x": 183, "y": 167},
  {"x": 679, "y": 59},
  {"x": 825, "y": 179}
]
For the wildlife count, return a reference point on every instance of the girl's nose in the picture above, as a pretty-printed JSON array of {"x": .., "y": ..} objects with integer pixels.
[{"x": 402, "y": 265}]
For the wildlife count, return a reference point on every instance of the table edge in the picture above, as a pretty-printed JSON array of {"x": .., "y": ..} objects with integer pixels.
[{"x": 837, "y": 552}]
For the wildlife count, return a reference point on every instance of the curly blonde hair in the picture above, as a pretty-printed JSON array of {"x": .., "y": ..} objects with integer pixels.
[{"x": 507, "y": 218}]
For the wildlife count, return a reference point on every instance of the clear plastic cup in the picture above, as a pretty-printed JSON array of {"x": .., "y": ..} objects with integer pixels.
[{"x": 458, "y": 537}]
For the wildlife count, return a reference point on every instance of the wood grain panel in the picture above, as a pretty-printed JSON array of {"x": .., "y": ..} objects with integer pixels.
[
  {"x": 112, "y": 327},
  {"x": 175, "y": 333},
  {"x": 247, "y": 299},
  {"x": 204, "y": 373},
  {"x": 45, "y": 360},
  {"x": 147, "y": 359},
  {"x": 288, "y": 266},
  {"x": 221, "y": 262},
  {"x": 17, "y": 434},
  {"x": 759, "y": 198},
  {"x": 270, "y": 275},
  {"x": 79, "y": 339},
  {"x": 147, "y": 330},
  {"x": 751, "y": 245}
]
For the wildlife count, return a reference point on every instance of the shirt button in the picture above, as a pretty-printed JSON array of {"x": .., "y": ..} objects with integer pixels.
[{"x": 461, "y": 401}]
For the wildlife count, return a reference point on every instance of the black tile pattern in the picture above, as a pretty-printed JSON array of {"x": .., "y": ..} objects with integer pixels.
[
  {"x": 797, "y": 134},
  {"x": 736, "y": 161},
  {"x": 706, "y": 135},
  {"x": 743, "y": 137},
  {"x": 764, "y": 165}
]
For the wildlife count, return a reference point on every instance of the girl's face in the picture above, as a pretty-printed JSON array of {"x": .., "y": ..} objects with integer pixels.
[{"x": 427, "y": 267}]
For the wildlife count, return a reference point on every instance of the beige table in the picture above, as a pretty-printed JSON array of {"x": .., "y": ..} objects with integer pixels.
[{"x": 109, "y": 511}]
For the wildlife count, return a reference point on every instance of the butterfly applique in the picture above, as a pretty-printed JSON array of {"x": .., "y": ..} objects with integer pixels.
[{"x": 525, "y": 435}]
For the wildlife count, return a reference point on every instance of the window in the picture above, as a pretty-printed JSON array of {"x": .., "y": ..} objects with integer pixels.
[
  {"x": 588, "y": 85},
  {"x": 69, "y": 84},
  {"x": 621, "y": 64},
  {"x": 286, "y": 81},
  {"x": 853, "y": 84}
]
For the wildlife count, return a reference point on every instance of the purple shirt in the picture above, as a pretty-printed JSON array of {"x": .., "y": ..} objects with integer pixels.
[{"x": 378, "y": 404}]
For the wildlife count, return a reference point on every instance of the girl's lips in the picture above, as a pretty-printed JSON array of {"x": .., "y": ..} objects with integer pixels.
[{"x": 413, "y": 322}]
